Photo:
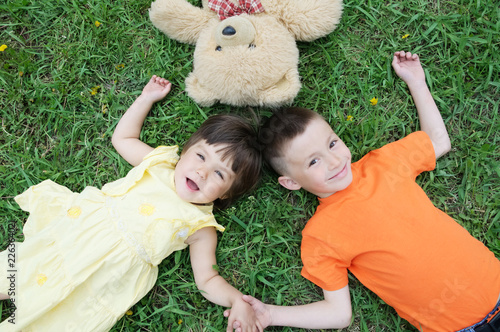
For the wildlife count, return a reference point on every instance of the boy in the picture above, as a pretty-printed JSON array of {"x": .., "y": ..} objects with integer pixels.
[{"x": 374, "y": 220}]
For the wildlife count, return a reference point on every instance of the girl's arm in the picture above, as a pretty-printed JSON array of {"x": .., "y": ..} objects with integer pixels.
[
  {"x": 126, "y": 135},
  {"x": 407, "y": 66},
  {"x": 202, "y": 246}
]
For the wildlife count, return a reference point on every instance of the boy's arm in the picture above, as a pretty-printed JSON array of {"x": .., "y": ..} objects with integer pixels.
[
  {"x": 126, "y": 135},
  {"x": 407, "y": 66},
  {"x": 333, "y": 312},
  {"x": 202, "y": 246}
]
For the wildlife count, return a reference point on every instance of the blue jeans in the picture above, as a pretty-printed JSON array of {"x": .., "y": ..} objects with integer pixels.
[{"x": 484, "y": 320}]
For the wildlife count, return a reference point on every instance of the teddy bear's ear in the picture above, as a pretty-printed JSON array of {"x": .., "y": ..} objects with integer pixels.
[
  {"x": 307, "y": 20},
  {"x": 179, "y": 19},
  {"x": 200, "y": 95}
]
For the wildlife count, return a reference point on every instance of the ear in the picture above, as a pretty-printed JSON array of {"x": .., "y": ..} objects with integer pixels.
[
  {"x": 309, "y": 20},
  {"x": 179, "y": 19},
  {"x": 289, "y": 183}
]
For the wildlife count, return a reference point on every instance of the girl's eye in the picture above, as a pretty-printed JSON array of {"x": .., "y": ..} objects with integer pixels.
[
  {"x": 219, "y": 174},
  {"x": 201, "y": 156},
  {"x": 218, "y": 48},
  {"x": 314, "y": 161},
  {"x": 332, "y": 144}
]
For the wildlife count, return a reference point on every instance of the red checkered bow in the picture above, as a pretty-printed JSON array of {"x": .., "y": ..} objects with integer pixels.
[{"x": 225, "y": 8}]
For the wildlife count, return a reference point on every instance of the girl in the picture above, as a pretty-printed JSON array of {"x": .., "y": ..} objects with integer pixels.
[{"x": 88, "y": 257}]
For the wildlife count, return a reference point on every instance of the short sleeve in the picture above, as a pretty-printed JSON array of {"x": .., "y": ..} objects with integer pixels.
[
  {"x": 414, "y": 152},
  {"x": 322, "y": 265},
  {"x": 166, "y": 155}
]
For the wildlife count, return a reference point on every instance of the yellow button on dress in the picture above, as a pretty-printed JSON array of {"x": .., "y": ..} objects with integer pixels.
[{"x": 88, "y": 257}]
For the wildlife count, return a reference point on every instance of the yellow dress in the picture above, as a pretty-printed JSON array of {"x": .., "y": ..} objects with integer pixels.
[{"x": 88, "y": 257}]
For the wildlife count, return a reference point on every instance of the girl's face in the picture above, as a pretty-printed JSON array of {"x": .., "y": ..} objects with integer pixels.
[{"x": 201, "y": 176}]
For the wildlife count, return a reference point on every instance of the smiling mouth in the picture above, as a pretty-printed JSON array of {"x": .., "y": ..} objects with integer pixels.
[
  {"x": 340, "y": 174},
  {"x": 192, "y": 185}
]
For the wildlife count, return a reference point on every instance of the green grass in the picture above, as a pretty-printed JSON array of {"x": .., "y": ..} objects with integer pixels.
[{"x": 53, "y": 127}]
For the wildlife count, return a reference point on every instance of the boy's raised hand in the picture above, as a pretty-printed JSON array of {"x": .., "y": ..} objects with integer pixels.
[
  {"x": 407, "y": 66},
  {"x": 156, "y": 89}
]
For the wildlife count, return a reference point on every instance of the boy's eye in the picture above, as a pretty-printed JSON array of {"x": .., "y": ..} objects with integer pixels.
[
  {"x": 332, "y": 144},
  {"x": 219, "y": 174},
  {"x": 201, "y": 156}
]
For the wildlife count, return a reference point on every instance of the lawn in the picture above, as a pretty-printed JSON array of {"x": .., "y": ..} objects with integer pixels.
[{"x": 72, "y": 67}]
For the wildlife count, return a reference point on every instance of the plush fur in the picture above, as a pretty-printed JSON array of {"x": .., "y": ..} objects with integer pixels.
[{"x": 257, "y": 66}]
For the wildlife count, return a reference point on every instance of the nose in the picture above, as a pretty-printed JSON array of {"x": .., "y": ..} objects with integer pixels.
[
  {"x": 202, "y": 172},
  {"x": 334, "y": 161}
]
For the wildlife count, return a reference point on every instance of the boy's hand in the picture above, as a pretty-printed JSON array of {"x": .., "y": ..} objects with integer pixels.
[
  {"x": 407, "y": 66},
  {"x": 242, "y": 318},
  {"x": 156, "y": 89}
]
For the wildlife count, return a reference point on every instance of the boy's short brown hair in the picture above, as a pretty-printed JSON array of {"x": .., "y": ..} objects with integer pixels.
[
  {"x": 241, "y": 148},
  {"x": 281, "y": 128}
]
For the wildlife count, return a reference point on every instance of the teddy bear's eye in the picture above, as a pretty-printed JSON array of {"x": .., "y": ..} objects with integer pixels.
[
  {"x": 218, "y": 48},
  {"x": 251, "y": 46}
]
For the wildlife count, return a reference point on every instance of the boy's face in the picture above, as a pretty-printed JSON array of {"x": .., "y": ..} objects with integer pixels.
[
  {"x": 201, "y": 176},
  {"x": 317, "y": 160}
]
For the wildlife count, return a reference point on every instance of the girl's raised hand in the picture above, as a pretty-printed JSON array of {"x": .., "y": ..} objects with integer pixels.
[{"x": 156, "y": 89}]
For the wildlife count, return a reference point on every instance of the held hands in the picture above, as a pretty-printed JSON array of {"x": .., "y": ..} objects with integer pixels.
[
  {"x": 242, "y": 318},
  {"x": 407, "y": 66},
  {"x": 260, "y": 312},
  {"x": 156, "y": 89}
]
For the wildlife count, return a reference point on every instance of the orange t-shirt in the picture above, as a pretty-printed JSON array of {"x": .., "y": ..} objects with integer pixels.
[{"x": 387, "y": 232}]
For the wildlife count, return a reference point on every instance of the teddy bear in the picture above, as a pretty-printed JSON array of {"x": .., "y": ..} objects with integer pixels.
[{"x": 246, "y": 52}]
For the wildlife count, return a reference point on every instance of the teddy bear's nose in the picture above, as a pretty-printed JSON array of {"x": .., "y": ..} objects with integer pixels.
[{"x": 228, "y": 31}]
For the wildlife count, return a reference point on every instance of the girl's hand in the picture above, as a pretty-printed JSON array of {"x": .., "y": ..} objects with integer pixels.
[
  {"x": 242, "y": 318},
  {"x": 156, "y": 89},
  {"x": 407, "y": 66}
]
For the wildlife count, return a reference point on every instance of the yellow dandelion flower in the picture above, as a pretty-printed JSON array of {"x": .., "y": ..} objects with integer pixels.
[
  {"x": 3, "y": 47},
  {"x": 21, "y": 74},
  {"x": 94, "y": 90},
  {"x": 179, "y": 321},
  {"x": 129, "y": 313},
  {"x": 97, "y": 23},
  {"x": 406, "y": 36},
  {"x": 374, "y": 101},
  {"x": 41, "y": 279},
  {"x": 349, "y": 118},
  {"x": 120, "y": 66},
  {"x": 74, "y": 212},
  {"x": 146, "y": 209}
]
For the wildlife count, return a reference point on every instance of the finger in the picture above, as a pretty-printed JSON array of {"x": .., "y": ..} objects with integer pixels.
[
  {"x": 395, "y": 60},
  {"x": 236, "y": 324},
  {"x": 247, "y": 298},
  {"x": 227, "y": 313},
  {"x": 408, "y": 56}
]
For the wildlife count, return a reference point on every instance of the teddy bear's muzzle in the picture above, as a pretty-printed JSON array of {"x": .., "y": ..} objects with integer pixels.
[{"x": 234, "y": 31}]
